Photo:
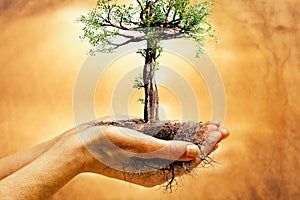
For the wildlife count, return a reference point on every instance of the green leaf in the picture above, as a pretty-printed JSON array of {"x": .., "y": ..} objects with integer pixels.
[{"x": 141, "y": 100}]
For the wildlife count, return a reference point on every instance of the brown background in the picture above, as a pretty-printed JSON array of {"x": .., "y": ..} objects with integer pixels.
[{"x": 40, "y": 56}]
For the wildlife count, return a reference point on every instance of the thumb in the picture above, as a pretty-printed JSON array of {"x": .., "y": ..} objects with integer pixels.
[
  {"x": 145, "y": 146},
  {"x": 173, "y": 150}
]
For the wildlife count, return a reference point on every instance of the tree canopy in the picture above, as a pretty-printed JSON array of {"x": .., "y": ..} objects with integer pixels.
[{"x": 177, "y": 19}]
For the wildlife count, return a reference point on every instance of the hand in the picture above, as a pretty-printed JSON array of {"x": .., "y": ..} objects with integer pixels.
[
  {"x": 111, "y": 151},
  {"x": 134, "y": 157}
]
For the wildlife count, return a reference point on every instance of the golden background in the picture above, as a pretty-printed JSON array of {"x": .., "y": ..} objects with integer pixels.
[{"x": 40, "y": 56}]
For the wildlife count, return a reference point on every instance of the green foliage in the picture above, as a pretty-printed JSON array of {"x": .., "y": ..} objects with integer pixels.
[
  {"x": 155, "y": 66},
  {"x": 195, "y": 21},
  {"x": 141, "y": 100},
  {"x": 178, "y": 19},
  {"x": 138, "y": 82}
]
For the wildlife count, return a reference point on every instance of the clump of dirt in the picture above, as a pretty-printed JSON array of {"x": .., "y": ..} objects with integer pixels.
[{"x": 190, "y": 131}]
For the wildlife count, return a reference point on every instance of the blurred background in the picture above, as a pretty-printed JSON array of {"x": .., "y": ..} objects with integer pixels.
[{"x": 258, "y": 59}]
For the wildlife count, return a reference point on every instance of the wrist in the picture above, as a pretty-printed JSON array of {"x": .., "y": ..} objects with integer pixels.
[{"x": 72, "y": 147}]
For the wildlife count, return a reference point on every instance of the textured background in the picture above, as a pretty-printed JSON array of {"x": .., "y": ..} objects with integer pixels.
[{"x": 40, "y": 56}]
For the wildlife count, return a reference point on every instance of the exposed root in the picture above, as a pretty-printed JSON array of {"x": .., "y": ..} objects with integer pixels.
[{"x": 169, "y": 182}]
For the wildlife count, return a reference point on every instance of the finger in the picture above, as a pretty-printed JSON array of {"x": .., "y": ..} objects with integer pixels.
[
  {"x": 145, "y": 146},
  {"x": 212, "y": 127},
  {"x": 191, "y": 152},
  {"x": 172, "y": 150},
  {"x": 212, "y": 122},
  {"x": 209, "y": 143},
  {"x": 225, "y": 132}
]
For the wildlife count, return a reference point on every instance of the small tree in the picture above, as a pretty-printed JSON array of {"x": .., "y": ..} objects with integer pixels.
[{"x": 157, "y": 19}]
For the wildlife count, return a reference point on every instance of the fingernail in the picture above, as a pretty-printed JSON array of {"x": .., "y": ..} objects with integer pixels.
[{"x": 192, "y": 150}]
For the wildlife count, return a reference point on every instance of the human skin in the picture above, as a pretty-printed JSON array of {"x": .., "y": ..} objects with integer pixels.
[{"x": 39, "y": 172}]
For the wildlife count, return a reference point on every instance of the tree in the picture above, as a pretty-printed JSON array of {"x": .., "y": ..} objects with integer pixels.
[{"x": 157, "y": 20}]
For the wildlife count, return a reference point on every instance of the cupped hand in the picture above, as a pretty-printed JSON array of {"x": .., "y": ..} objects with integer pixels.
[{"x": 137, "y": 158}]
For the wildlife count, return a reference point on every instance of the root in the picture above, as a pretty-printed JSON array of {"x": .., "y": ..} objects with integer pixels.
[
  {"x": 169, "y": 183},
  {"x": 209, "y": 161},
  {"x": 186, "y": 167}
]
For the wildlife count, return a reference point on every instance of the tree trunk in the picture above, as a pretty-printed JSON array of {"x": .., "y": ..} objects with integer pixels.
[{"x": 150, "y": 87}]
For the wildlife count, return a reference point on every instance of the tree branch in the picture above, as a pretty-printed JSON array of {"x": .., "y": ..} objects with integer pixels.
[
  {"x": 142, "y": 10},
  {"x": 124, "y": 43},
  {"x": 163, "y": 36},
  {"x": 142, "y": 52},
  {"x": 149, "y": 6},
  {"x": 159, "y": 53},
  {"x": 131, "y": 39},
  {"x": 108, "y": 20},
  {"x": 126, "y": 36},
  {"x": 135, "y": 23},
  {"x": 139, "y": 2},
  {"x": 174, "y": 16},
  {"x": 155, "y": 2},
  {"x": 174, "y": 20},
  {"x": 121, "y": 21},
  {"x": 168, "y": 36},
  {"x": 167, "y": 13}
]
